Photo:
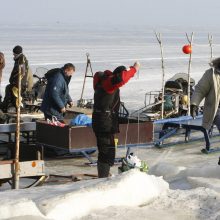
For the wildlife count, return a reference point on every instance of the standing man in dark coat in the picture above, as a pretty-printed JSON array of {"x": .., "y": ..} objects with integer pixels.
[
  {"x": 105, "y": 113},
  {"x": 56, "y": 95},
  {"x": 26, "y": 78}
]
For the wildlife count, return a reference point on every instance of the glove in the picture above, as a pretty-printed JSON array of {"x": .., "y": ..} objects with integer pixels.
[
  {"x": 70, "y": 104},
  {"x": 137, "y": 65},
  {"x": 193, "y": 111}
]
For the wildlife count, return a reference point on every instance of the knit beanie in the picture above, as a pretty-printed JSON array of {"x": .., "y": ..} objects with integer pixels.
[{"x": 17, "y": 49}]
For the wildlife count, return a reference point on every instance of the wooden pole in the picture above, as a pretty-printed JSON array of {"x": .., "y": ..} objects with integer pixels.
[
  {"x": 17, "y": 147},
  {"x": 158, "y": 36},
  {"x": 84, "y": 82},
  {"x": 210, "y": 38},
  {"x": 190, "y": 40}
]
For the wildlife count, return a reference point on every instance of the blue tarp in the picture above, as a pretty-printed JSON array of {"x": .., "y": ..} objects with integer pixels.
[{"x": 82, "y": 120}]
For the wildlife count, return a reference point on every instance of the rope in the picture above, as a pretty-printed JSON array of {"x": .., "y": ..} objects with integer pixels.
[
  {"x": 139, "y": 128},
  {"x": 126, "y": 138},
  {"x": 138, "y": 136}
]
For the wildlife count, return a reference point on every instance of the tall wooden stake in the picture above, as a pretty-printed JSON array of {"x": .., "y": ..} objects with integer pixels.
[
  {"x": 86, "y": 74},
  {"x": 190, "y": 40},
  {"x": 158, "y": 36},
  {"x": 17, "y": 147},
  {"x": 210, "y": 38}
]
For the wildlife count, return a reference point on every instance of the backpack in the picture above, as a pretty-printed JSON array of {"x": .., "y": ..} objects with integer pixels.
[{"x": 51, "y": 72}]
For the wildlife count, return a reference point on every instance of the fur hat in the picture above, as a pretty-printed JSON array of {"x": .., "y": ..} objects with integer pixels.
[{"x": 17, "y": 49}]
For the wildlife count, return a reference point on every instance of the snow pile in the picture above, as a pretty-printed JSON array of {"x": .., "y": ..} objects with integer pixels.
[
  {"x": 166, "y": 170},
  {"x": 211, "y": 183},
  {"x": 205, "y": 176},
  {"x": 198, "y": 204},
  {"x": 206, "y": 171},
  {"x": 129, "y": 189},
  {"x": 18, "y": 207}
]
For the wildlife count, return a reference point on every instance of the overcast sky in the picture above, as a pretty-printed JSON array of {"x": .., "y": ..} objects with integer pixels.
[{"x": 123, "y": 12}]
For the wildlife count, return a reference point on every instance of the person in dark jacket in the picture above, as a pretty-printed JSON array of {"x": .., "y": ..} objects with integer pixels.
[
  {"x": 56, "y": 96},
  {"x": 105, "y": 112},
  {"x": 26, "y": 78}
]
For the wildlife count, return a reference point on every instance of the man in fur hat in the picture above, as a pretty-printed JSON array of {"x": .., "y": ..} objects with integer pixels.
[{"x": 208, "y": 88}]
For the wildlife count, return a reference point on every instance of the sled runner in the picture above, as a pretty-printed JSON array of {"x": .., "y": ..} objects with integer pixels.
[{"x": 186, "y": 124}]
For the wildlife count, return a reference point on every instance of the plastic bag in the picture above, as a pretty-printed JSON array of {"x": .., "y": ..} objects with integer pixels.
[
  {"x": 82, "y": 120},
  {"x": 55, "y": 122},
  {"x": 131, "y": 162}
]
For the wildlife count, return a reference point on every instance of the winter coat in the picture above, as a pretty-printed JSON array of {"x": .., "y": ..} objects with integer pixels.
[
  {"x": 56, "y": 94},
  {"x": 107, "y": 99},
  {"x": 27, "y": 77},
  {"x": 2, "y": 64},
  {"x": 209, "y": 88},
  {"x": 106, "y": 110}
]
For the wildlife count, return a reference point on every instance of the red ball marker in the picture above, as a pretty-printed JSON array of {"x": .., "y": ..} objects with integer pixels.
[{"x": 187, "y": 49}]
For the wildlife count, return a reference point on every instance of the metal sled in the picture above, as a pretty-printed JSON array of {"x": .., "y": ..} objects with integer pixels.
[
  {"x": 32, "y": 168},
  {"x": 172, "y": 126},
  {"x": 174, "y": 101}
]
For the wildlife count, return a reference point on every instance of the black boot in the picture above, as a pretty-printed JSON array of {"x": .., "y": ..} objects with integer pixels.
[{"x": 103, "y": 169}]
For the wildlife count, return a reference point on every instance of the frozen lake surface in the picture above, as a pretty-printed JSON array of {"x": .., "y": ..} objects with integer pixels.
[
  {"x": 190, "y": 187},
  {"x": 53, "y": 46}
]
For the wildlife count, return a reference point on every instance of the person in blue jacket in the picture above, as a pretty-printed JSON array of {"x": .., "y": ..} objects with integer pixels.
[{"x": 56, "y": 95}]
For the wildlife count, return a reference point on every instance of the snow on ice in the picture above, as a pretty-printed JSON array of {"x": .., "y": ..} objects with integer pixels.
[
  {"x": 133, "y": 194},
  {"x": 130, "y": 189}
]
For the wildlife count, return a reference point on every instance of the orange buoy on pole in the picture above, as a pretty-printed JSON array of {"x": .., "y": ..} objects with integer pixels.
[{"x": 187, "y": 49}]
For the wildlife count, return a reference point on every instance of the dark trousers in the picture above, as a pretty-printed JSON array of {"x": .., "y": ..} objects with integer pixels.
[
  {"x": 9, "y": 99},
  {"x": 106, "y": 148}
]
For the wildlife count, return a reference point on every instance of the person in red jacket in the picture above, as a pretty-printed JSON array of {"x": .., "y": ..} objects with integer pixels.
[{"x": 105, "y": 112}]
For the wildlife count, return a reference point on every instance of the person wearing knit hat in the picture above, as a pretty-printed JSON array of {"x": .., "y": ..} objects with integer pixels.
[
  {"x": 26, "y": 82},
  {"x": 17, "y": 50}
]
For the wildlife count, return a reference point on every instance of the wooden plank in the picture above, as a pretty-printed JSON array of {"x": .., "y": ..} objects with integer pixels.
[
  {"x": 11, "y": 128},
  {"x": 27, "y": 169},
  {"x": 6, "y": 162}
]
